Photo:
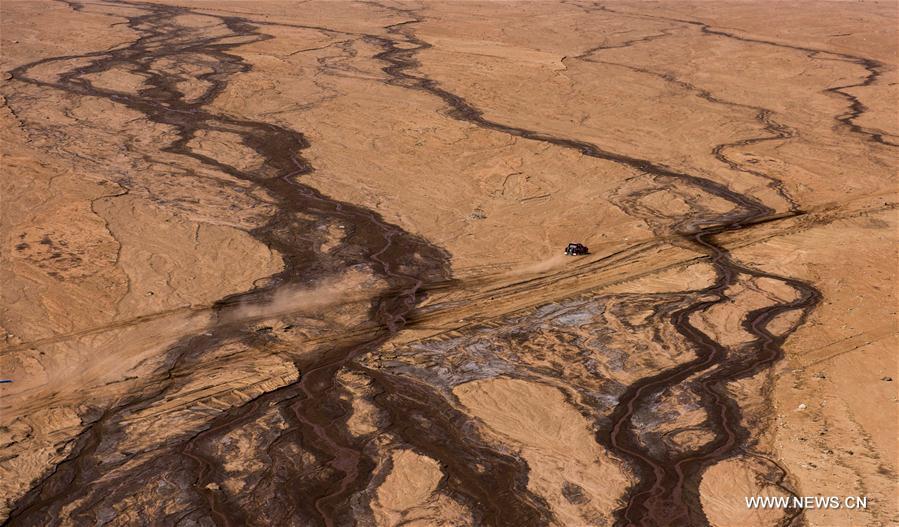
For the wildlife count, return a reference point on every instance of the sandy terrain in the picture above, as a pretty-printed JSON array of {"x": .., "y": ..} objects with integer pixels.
[{"x": 299, "y": 263}]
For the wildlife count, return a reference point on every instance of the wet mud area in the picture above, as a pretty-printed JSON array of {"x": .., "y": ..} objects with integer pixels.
[
  {"x": 276, "y": 355},
  {"x": 597, "y": 344}
]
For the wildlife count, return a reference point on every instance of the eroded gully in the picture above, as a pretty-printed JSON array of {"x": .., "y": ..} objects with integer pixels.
[
  {"x": 667, "y": 492},
  {"x": 312, "y": 405}
]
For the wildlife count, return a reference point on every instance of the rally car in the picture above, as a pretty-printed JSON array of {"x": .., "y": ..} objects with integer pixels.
[{"x": 576, "y": 249}]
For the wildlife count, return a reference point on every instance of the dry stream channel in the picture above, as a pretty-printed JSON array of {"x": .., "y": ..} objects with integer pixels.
[{"x": 322, "y": 486}]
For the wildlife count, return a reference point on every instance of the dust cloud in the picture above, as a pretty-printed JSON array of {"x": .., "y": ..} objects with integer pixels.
[
  {"x": 326, "y": 294},
  {"x": 541, "y": 266}
]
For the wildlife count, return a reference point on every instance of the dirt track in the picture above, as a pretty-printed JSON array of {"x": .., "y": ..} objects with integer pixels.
[{"x": 355, "y": 352}]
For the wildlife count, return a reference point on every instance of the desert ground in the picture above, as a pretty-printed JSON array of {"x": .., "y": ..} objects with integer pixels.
[{"x": 301, "y": 262}]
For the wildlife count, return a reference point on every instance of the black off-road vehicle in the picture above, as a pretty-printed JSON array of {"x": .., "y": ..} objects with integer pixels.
[{"x": 576, "y": 249}]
